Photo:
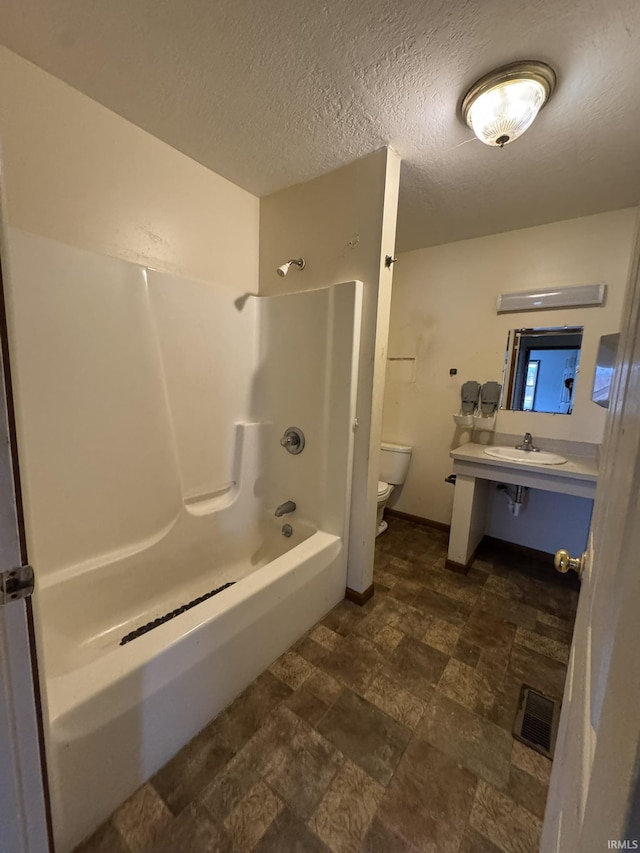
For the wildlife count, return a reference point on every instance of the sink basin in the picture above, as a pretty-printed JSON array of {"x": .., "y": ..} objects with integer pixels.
[{"x": 510, "y": 454}]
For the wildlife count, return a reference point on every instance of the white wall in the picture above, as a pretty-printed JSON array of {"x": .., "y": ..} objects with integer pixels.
[
  {"x": 547, "y": 521},
  {"x": 206, "y": 339},
  {"x": 443, "y": 315},
  {"x": 305, "y": 376},
  {"x": 76, "y": 172},
  {"x": 343, "y": 224},
  {"x": 129, "y": 385},
  {"x": 127, "y": 388}
]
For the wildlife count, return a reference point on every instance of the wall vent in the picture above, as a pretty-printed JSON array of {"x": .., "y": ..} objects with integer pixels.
[{"x": 536, "y": 722}]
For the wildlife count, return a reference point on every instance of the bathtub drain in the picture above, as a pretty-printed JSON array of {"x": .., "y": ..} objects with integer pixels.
[{"x": 162, "y": 619}]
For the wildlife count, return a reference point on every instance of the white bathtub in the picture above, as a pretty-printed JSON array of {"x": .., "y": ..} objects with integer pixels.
[
  {"x": 139, "y": 497},
  {"x": 118, "y": 715},
  {"x": 118, "y": 712}
]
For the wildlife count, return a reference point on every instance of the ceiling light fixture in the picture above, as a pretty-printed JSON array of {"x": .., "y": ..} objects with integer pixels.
[{"x": 503, "y": 104}]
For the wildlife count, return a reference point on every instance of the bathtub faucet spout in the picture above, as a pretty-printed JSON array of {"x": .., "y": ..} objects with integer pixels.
[{"x": 283, "y": 509}]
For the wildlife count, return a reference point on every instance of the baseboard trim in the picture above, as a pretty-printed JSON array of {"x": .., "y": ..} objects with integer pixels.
[
  {"x": 463, "y": 568},
  {"x": 513, "y": 547},
  {"x": 359, "y": 598},
  {"x": 459, "y": 568},
  {"x": 418, "y": 519},
  {"x": 518, "y": 549}
]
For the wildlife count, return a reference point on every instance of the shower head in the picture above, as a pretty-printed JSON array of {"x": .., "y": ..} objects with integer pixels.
[{"x": 284, "y": 269}]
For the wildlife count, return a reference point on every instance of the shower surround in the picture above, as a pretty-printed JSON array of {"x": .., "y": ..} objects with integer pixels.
[{"x": 149, "y": 413}]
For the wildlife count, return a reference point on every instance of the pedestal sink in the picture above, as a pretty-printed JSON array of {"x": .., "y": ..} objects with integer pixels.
[{"x": 529, "y": 457}]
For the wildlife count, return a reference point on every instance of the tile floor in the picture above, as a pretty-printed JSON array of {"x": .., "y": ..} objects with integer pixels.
[{"x": 386, "y": 728}]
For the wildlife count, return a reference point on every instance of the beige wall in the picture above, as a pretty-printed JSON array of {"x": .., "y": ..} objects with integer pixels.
[
  {"x": 443, "y": 315},
  {"x": 343, "y": 224},
  {"x": 78, "y": 173}
]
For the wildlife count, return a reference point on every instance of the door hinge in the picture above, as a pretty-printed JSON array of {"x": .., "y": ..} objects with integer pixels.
[{"x": 16, "y": 584}]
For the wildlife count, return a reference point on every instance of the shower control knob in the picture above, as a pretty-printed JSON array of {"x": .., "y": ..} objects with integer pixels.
[
  {"x": 293, "y": 440},
  {"x": 564, "y": 561}
]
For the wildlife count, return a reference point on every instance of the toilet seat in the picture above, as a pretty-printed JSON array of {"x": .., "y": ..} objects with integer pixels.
[{"x": 384, "y": 490}]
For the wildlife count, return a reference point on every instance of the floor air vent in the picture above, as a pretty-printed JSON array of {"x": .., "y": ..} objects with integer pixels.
[
  {"x": 536, "y": 722},
  {"x": 143, "y": 629}
]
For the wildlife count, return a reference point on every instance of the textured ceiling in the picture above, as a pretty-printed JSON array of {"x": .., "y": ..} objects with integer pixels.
[{"x": 272, "y": 93}]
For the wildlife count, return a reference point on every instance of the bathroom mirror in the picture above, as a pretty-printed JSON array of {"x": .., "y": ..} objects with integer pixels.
[{"x": 541, "y": 368}]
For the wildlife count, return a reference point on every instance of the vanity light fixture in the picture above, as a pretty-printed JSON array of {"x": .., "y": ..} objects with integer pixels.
[
  {"x": 558, "y": 297},
  {"x": 500, "y": 106}
]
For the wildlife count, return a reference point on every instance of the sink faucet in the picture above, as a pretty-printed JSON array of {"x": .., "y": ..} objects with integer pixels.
[
  {"x": 283, "y": 509},
  {"x": 527, "y": 444}
]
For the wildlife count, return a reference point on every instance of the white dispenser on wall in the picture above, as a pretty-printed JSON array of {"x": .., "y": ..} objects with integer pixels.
[{"x": 479, "y": 405}]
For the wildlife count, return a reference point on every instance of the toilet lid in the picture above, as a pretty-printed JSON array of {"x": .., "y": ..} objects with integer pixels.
[{"x": 382, "y": 487}]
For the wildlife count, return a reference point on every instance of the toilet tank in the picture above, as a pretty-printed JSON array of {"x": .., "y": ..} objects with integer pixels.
[{"x": 394, "y": 462}]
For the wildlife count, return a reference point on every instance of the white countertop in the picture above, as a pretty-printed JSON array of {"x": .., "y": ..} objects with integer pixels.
[{"x": 576, "y": 467}]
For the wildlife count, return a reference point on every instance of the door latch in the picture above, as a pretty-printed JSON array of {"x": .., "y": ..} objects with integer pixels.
[{"x": 16, "y": 584}]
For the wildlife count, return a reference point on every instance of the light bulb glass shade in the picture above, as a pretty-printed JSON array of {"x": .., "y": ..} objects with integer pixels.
[
  {"x": 507, "y": 110},
  {"x": 502, "y": 105}
]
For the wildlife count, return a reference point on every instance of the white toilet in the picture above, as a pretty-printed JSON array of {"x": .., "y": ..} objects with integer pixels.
[{"x": 394, "y": 464}]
